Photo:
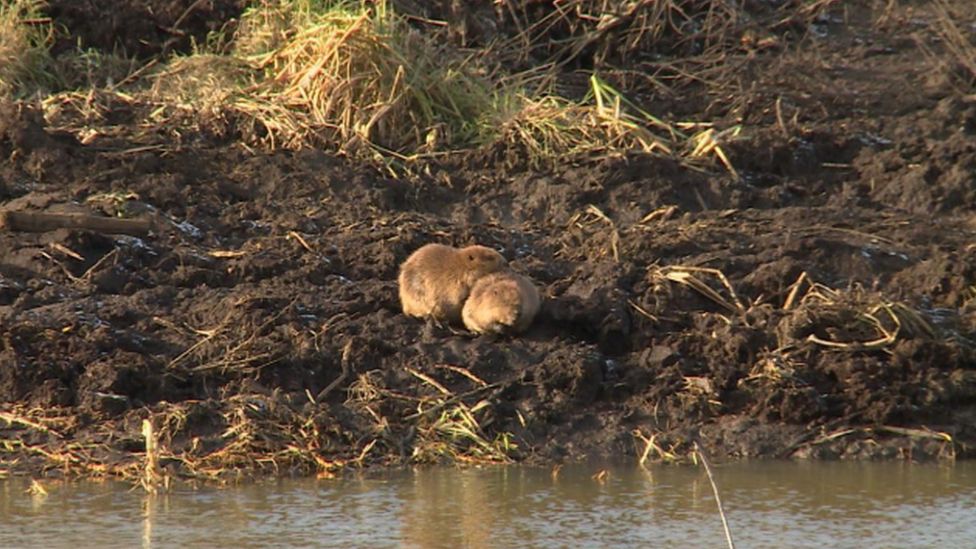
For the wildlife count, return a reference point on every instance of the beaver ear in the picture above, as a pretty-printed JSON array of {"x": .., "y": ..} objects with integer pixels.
[{"x": 470, "y": 257}]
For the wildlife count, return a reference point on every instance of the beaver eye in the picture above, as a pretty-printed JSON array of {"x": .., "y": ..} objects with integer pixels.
[{"x": 470, "y": 257}]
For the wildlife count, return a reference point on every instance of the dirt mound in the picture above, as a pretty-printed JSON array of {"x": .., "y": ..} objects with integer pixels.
[{"x": 928, "y": 168}]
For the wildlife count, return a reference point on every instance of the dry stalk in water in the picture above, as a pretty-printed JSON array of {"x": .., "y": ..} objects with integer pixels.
[
  {"x": 152, "y": 477},
  {"x": 718, "y": 499}
]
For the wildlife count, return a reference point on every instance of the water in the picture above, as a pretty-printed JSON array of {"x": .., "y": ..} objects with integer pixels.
[{"x": 768, "y": 504}]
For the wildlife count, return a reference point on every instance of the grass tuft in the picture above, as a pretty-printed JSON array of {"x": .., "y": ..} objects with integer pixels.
[
  {"x": 345, "y": 73},
  {"x": 457, "y": 436},
  {"x": 357, "y": 78},
  {"x": 550, "y": 127},
  {"x": 24, "y": 39}
]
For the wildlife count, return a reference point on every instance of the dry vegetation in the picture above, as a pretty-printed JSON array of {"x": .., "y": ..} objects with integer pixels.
[
  {"x": 360, "y": 79},
  {"x": 336, "y": 75},
  {"x": 255, "y": 434},
  {"x": 956, "y": 55},
  {"x": 351, "y": 78}
]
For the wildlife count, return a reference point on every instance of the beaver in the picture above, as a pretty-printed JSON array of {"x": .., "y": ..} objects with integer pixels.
[
  {"x": 501, "y": 302},
  {"x": 436, "y": 279}
]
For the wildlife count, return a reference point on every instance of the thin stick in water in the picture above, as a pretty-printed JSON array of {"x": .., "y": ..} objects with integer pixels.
[{"x": 718, "y": 500}]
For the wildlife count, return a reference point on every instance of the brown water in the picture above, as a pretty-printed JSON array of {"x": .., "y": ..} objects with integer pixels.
[{"x": 768, "y": 504}]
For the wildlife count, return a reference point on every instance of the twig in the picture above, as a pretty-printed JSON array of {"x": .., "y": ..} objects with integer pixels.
[
  {"x": 14, "y": 418},
  {"x": 98, "y": 263},
  {"x": 642, "y": 311},
  {"x": 133, "y": 75},
  {"x": 718, "y": 499},
  {"x": 794, "y": 291},
  {"x": 187, "y": 11},
  {"x": 779, "y": 117},
  {"x": 429, "y": 380},
  {"x": 464, "y": 372},
  {"x": 916, "y": 433},
  {"x": 298, "y": 237},
  {"x": 67, "y": 251},
  {"x": 346, "y": 352}
]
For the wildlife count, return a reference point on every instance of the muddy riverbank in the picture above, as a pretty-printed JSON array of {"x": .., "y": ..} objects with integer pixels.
[{"x": 818, "y": 302}]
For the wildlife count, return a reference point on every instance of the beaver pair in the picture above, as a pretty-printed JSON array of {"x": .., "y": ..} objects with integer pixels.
[{"x": 472, "y": 285}]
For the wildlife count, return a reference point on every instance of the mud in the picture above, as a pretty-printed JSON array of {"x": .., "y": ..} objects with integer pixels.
[
  {"x": 141, "y": 28},
  {"x": 269, "y": 285}
]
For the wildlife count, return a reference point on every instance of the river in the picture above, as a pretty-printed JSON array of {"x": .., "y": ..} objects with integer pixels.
[{"x": 768, "y": 504}]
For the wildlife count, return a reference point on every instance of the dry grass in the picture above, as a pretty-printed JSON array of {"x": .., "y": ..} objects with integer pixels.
[
  {"x": 357, "y": 78},
  {"x": 339, "y": 74},
  {"x": 27, "y": 67},
  {"x": 958, "y": 55},
  {"x": 456, "y": 435},
  {"x": 669, "y": 42},
  {"x": 855, "y": 319},
  {"x": 609, "y": 29},
  {"x": 550, "y": 127},
  {"x": 360, "y": 80},
  {"x": 947, "y": 449},
  {"x": 363, "y": 74},
  {"x": 254, "y": 435},
  {"x": 24, "y": 39},
  {"x": 450, "y": 429},
  {"x": 204, "y": 82},
  {"x": 691, "y": 277}
]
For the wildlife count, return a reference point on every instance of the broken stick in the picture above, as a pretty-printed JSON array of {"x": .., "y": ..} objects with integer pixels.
[{"x": 38, "y": 222}]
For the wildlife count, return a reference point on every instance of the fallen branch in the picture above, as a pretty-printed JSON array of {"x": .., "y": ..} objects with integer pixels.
[{"x": 38, "y": 222}]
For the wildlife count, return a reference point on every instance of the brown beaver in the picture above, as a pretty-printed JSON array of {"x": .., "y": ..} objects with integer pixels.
[
  {"x": 501, "y": 302},
  {"x": 436, "y": 279}
]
